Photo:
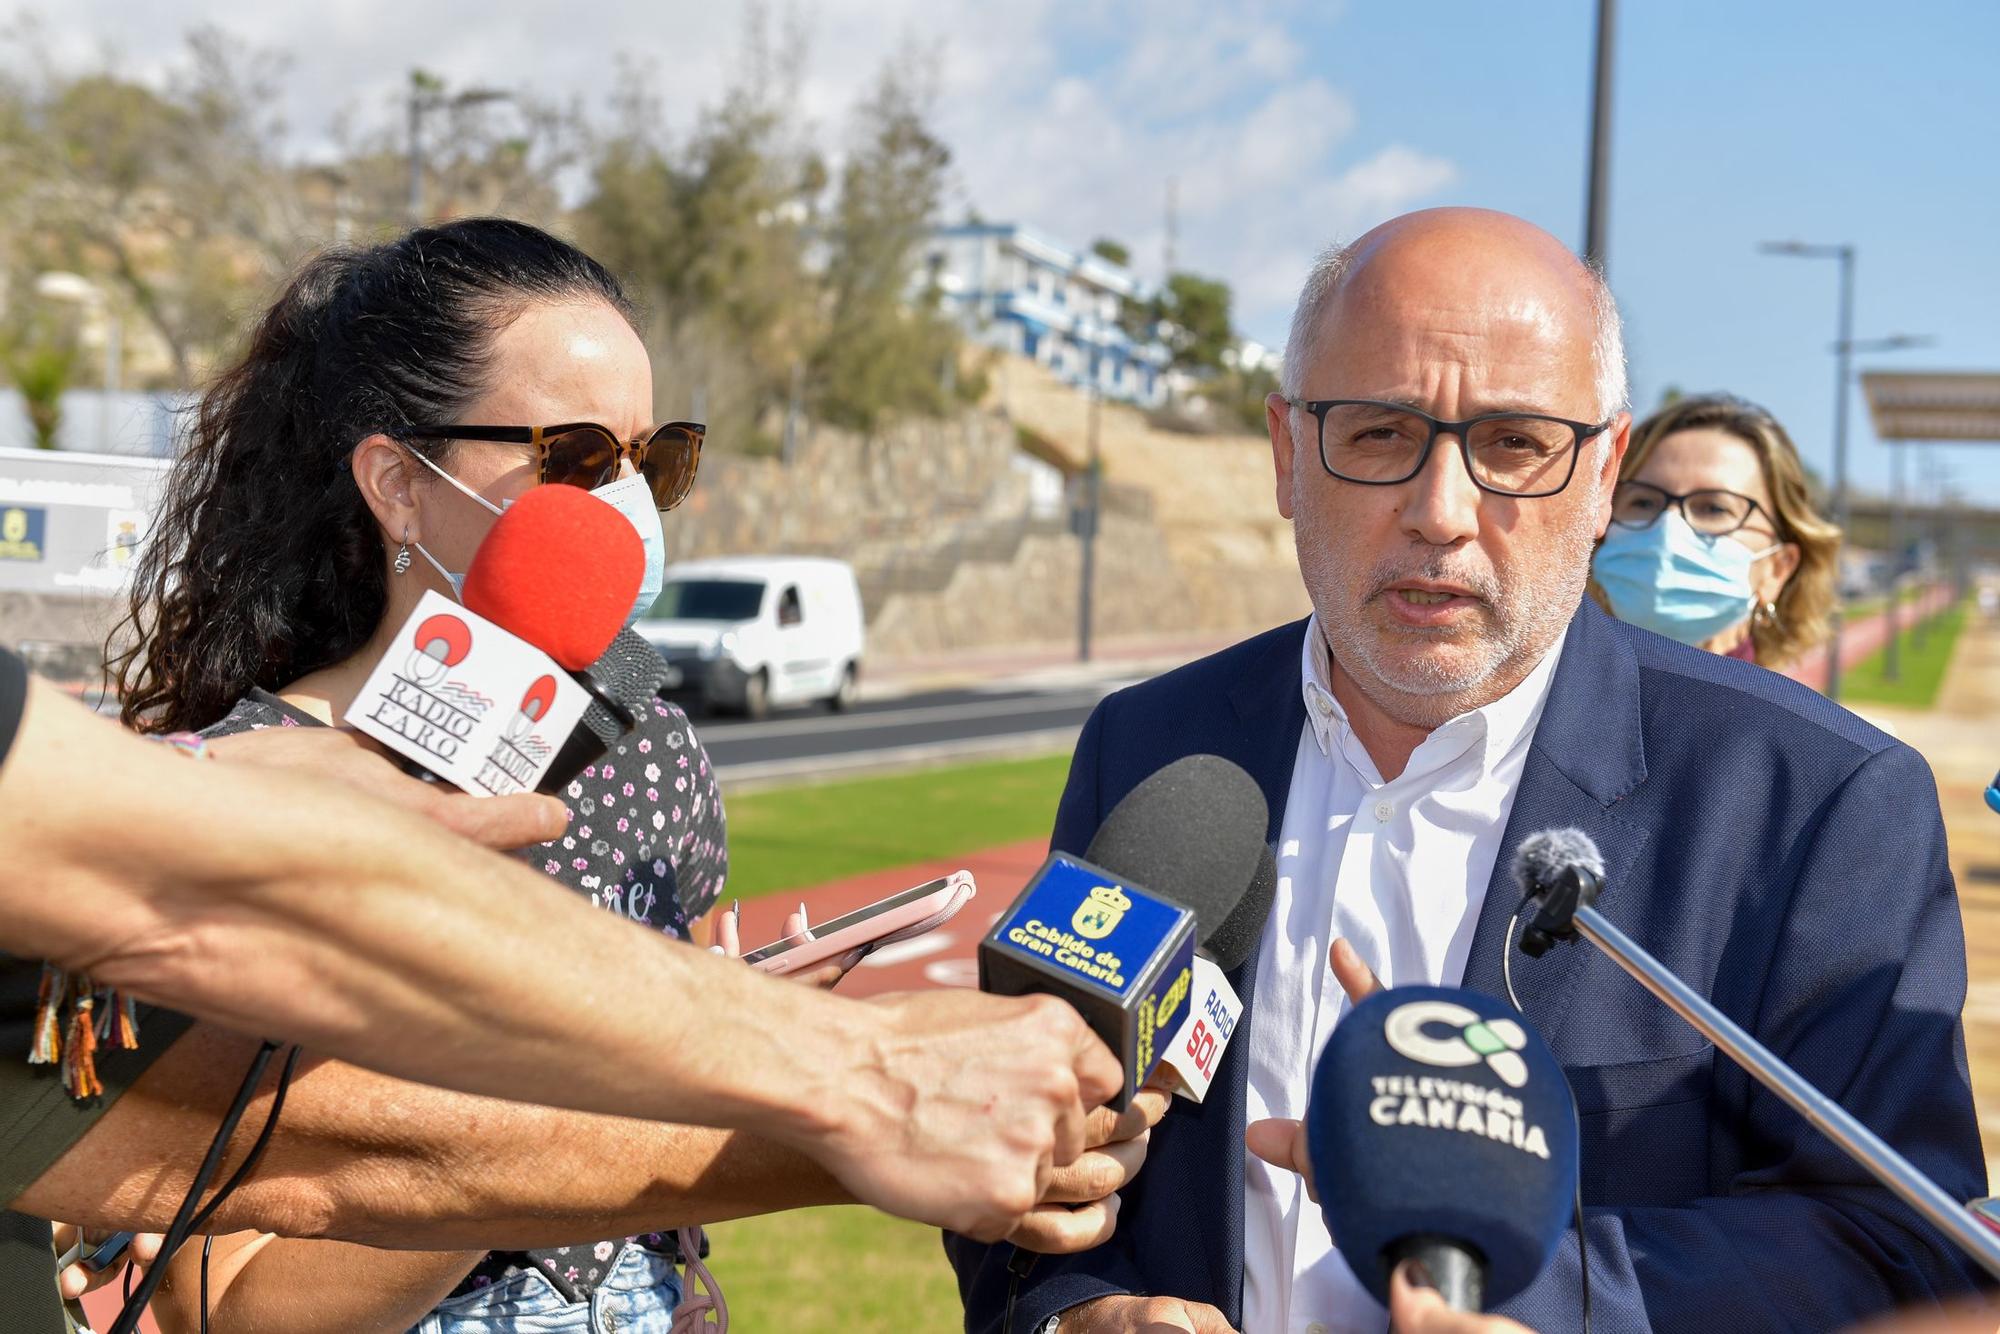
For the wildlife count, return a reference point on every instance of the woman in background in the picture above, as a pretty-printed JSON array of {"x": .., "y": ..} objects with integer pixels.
[{"x": 1714, "y": 540}]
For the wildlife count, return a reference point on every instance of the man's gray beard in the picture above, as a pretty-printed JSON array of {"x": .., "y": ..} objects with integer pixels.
[{"x": 1425, "y": 692}]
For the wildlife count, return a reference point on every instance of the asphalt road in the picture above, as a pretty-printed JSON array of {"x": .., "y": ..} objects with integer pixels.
[{"x": 802, "y": 742}]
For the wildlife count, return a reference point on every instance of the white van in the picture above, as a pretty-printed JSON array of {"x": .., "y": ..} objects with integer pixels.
[{"x": 746, "y": 633}]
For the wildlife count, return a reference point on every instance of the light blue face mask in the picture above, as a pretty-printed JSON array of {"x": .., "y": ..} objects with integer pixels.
[
  {"x": 633, "y": 497},
  {"x": 630, "y": 496},
  {"x": 1671, "y": 580}
]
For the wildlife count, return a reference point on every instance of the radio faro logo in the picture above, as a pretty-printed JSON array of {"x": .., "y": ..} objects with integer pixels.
[{"x": 1469, "y": 1039}]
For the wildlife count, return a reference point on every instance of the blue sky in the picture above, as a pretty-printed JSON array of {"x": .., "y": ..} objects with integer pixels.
[
  {"x": 1292, "y": 123},
  {"x": 1734, "y": 122}
]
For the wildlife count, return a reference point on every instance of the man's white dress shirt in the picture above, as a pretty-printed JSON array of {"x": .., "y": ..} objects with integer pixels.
[{"x": 1400, "y": 870}]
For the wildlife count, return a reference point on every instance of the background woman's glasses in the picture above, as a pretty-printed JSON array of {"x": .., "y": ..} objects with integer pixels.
[{"x": 1712, "y": 513}]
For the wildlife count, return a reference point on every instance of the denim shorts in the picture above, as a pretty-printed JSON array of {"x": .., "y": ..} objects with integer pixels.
[{"x": 638, "y": 1296}]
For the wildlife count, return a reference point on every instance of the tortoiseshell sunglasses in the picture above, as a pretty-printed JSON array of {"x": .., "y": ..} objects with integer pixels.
[{"x": 587, "y": 455}]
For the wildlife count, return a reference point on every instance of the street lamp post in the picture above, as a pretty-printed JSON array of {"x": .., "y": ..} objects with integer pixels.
[
  {"x": 1843, "y": 352},
  {"x": 426, "y": 95},
  {"x": 1845, "y": 349},
  {"x": 1892, "y": 650},
  {"x": 1598, "y": 187}
]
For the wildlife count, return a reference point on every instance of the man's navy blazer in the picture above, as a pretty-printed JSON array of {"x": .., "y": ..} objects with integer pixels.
[{"x": 1783, "y": 857}]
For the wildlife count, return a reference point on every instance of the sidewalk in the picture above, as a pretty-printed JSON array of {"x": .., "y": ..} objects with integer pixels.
[
  {"x": 1962, "y": 742},
  {"x": 1045, "y": 665}
]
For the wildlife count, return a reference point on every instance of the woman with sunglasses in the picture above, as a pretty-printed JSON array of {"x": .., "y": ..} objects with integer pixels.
[
  {"x": 1714, "y": 540},
  {"x": 393, "y": 401}
]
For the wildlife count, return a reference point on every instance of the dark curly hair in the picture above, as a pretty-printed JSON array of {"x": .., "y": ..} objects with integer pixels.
[{"x": 264, "y": 562}]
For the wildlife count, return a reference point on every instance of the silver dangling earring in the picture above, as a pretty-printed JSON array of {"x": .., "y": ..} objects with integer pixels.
[
  {"x": 1765, "y": 614},
  {"x": 402, "y": 564}
]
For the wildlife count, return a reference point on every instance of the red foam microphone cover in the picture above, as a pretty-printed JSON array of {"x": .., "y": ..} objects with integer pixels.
[{"x": 560, "y": 569}]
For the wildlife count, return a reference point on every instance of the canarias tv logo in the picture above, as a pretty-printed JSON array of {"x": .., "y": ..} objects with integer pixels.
[
  {"x": 1470, "y": 1041},
  {"x": 1099, "y": 915}
]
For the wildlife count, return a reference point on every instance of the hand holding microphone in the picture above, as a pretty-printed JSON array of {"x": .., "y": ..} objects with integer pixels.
[
  {"x": 960, "y": 1106},
  {"x": 345, "y": 756},
  {"x": 1114, "y": 932},
  {"x": 1440, "y": 1129}
]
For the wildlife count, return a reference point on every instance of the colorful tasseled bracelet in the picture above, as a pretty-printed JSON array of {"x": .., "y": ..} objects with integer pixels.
[{"x": 74, "y": 1016}]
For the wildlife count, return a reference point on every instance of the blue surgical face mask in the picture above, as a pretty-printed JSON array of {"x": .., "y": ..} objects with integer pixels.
[
  {"x": 633, "y": 498},
  {"x": 1671, "y": 580},
  {"x": 630, "y": 496}
]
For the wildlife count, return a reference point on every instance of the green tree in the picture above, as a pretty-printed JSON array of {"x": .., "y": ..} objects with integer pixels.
[
  {"x": 172, "y": 195},
  {"x": 1115, "y": 251},
  {"x": 1195, "y": 324},
  {"x": 713, "y": 235},
  {"x": 885, "y": 348},
  {"x": 40, "y": 356}
]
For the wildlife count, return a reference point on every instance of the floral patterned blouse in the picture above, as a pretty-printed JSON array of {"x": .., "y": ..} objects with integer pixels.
[{"x": 646, "y": 840}]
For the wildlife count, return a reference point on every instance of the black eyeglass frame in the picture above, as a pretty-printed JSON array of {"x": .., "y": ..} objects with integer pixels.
[
  {"x": 541, "y": 438},
  {"x": 1579, "y": 432},
  {"x": 1680, "y": 503}
]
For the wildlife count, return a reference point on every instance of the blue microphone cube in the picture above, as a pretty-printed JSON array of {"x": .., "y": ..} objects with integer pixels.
[{"x": 1122, "y": 957}]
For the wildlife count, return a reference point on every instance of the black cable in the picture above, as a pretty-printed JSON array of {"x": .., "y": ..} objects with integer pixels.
[
  {"x": 257, "y": 1146},
  {"x": 243, "y": 1173},
  {"x": 177, "y": 1231},
  {"x": 1582, "y": 1252}
]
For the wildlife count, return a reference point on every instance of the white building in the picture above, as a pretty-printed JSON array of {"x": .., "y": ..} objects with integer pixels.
[{"x": 1020, "y": 291}]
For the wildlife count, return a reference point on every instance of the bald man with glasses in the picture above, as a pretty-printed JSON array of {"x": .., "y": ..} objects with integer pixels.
[{"x": 1447, "y": 445}]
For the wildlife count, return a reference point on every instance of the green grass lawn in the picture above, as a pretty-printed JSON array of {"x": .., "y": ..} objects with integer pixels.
[
  {"x": 1921, "y": 669},
  {"x": 823, "y": 1271},
  {"x": 789, "y": 838}
]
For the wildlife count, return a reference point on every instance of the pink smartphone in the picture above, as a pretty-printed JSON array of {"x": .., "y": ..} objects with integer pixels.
[{"x": 909, "y": 913}]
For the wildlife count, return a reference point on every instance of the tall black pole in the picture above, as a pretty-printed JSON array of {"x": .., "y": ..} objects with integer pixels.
[
  {"x": 1843, "y": 360},
  {"x": 1594, "y": 217},
  {"x": 1892, "y": 656}
]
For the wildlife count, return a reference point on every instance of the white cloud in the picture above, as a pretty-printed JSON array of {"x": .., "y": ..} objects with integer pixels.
[{"x": 1071, "y": 118}]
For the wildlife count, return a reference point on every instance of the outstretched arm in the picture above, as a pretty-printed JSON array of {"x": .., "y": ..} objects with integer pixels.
[{"x": 274, "y": 903}]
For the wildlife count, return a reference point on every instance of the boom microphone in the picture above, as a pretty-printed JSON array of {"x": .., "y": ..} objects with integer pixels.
[
  {"x": 1441, "y": 1129},
  {"x": 1561, "y": 870},
  {"x": 1114, "y": 932}
]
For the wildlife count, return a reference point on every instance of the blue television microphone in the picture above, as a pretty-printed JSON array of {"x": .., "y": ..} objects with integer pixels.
[
  {"x": 1441, "y": 1129},
  {"x": 1177, "y": 864},
  {"x": 1993, "y": 793}
]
